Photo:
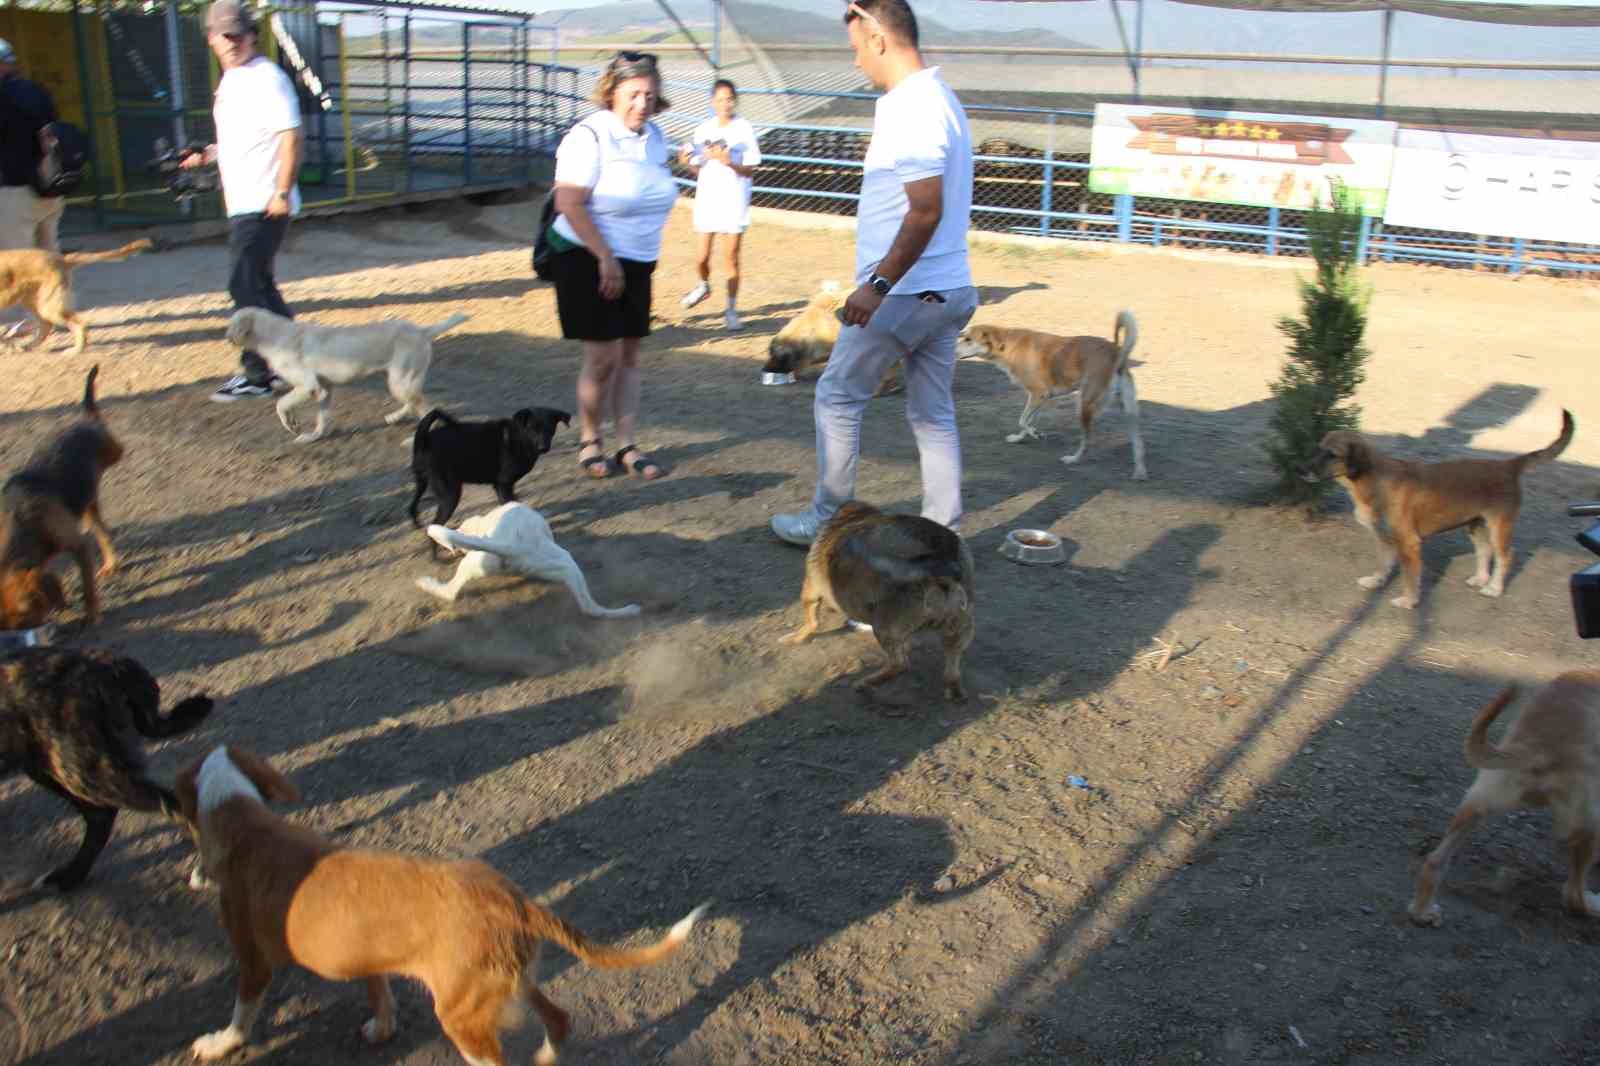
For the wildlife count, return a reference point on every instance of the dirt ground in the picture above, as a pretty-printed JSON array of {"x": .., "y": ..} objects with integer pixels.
[{"x": 896, "y": 879}]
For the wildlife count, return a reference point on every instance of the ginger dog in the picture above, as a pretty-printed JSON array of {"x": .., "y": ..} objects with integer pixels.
[
  {"x": 459, "y": 927},
  {"x": 46, "y": 506},
  {"x": 1046, "y": 365},
  {"x": 1403, "y": 502},
  {"x": 41, "y": 282},
  {"x": 807, "y": 340},
  {"x": 1549, "y": 758}
]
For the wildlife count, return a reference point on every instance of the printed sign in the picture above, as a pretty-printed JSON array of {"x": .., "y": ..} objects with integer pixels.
[
  {"x": 1238, "y": 157},
  {"x": 1533, "y": 187}
]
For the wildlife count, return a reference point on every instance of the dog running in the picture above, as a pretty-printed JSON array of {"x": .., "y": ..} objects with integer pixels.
[
  {"x": 46, "y": 506},
  {"x": 901, "y": 574},
  {"x": 69, "y": 719},
  {"x": 290, "y": 896},
  {"x": 1402, "y": 502},
  {"x": 306, "y": 356},
  {"x": 41, "y": 283},
  {"x": 1045, "y": 365}
]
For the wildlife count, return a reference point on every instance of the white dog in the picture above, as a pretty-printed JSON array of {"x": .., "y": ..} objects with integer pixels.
[
  {"x": 306, "y": 355},
  {"x": 513, "y": 538}
]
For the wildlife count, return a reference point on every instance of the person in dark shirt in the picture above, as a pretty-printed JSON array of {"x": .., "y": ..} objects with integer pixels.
[{"x": 27, "y": 220}]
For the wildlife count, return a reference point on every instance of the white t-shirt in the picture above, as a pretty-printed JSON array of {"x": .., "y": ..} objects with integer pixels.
[
  {"x": 631, "y": 189},
  {"x": 919, "y": 130},
  {"x": 722, "y": 197},
  {"x": 255, "y": 102}
]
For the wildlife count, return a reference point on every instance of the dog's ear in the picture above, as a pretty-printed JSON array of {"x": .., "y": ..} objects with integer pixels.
[
  {"x": 524, "y": 417},
  {"x": 1356, "y": 456},
  {"x": 274, "y": 787},
  {"x": 562, "y": 417}
]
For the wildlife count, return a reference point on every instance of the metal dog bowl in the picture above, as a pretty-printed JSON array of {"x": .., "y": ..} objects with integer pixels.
[
  {"x": 1033, "y": 547},
  {"x": 17, "y": 639},
  {"x": 770, "y": 378}
]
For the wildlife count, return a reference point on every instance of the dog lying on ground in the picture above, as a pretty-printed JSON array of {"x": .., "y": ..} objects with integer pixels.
[
  {"x": 807, "y": 340},
  {"x": 453, "y": 453},
  {"x": 899, "y": 573},
  {"x": 68, "y": 720},
  {"x": 459, "y": 927},
  {"x": 1045, "y": 365},
  {"x": 41, "y": 282},
  {"x": 1550, "y": 757},
  {"x": 46, "y": 505},
  {"x": 306, "y": 356},
  {"x": 1403, "y": 502},
  {"x": 513, "y": 538}
]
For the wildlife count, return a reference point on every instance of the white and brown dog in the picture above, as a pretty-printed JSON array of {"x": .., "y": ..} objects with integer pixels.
[
  {"x": 513, "y": 538},
  {"x": 459, "y": 927},
  {"x": 1046, "y": 365},
  {"x": 1549, "y": 758},
  {"x": 307, "y": 355}
]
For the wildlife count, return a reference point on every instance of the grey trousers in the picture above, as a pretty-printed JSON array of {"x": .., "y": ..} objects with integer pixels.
[{"x": 923, "y": 332}]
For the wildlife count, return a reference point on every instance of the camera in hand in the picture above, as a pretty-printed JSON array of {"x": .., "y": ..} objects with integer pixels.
[{"x": 182, "y": 184}]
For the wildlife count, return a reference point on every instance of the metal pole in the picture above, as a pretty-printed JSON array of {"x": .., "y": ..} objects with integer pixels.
[
  {"x": 716, "y": 34},
  {"x": 1127, "y": 49},
  {"x": 1383, "y": 65},
  {"x": 1138, "y": 46},
  {"x": 1046, "y": 192},
  {"x": 466, "y": 103},
  {"x": 176, "y": 94},
  {"x": 405, "y": 122},
  {"x": 344, "y": 108},
  {"x": 88, "y": 107}
]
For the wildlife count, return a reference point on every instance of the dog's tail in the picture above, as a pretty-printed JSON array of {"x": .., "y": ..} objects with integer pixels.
[
  {"x": 419, "y": 442},
  {"x": 1555, "y": 448},
  {"x": 182, "y": 718},
  {"x": 448, "y": 324},
  {"x": 1482, "y": 755},
  {"x": 89, "y": 407},
  {"x": 544, "y": 925},
  {"x": 78, "y": 259},
  {"x": 1125, "y": 336}
]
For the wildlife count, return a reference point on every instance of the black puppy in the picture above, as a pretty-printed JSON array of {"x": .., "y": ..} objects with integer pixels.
[
  {"x": 68, "y": 720},
  {"x": 447, "y": 453}
]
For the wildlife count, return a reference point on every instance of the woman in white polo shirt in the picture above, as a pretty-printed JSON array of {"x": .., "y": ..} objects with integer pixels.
[
  {"x": 723, "y": 155},
  {"x": 614, "y": 192}
]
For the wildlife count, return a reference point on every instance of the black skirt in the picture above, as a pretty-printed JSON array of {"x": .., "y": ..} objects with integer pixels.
[{"x": 585, "y": 316}]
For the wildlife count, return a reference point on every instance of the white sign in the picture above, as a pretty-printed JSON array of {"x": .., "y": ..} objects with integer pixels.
[
  {"x": 1532, "y": 187},
  {"x": 1239, "y": 157}
]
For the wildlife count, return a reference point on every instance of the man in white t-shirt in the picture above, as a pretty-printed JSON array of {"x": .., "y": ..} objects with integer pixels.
[
  {"x": 915, "y": 291},
  {"x": 257, "y": 153}
]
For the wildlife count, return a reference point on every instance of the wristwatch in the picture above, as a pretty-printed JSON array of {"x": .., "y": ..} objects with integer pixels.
[{"x": 880, "y": 284}]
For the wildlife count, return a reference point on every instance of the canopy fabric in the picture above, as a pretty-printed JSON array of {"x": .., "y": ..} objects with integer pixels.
[{"x": 1514, "y": 14}]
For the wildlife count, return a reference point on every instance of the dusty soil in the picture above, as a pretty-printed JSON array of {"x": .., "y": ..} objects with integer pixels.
[{"x": 896, "y": 879}]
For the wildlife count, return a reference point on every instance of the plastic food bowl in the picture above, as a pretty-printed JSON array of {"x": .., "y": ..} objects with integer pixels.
[
  {"x": 769, "y": 378},
  {"x": 1033, "y": 547},
  {"x": 17, "y": 639}
]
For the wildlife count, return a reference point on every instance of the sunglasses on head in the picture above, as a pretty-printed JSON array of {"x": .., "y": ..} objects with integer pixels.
[
  {"x": 628, "y": 59},
  {"x": 857, "y": 11}
]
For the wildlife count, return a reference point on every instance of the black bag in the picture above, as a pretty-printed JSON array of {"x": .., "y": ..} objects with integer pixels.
[
  {"x": 542, "y": 252},
  {"x": 64, "y": 159}
]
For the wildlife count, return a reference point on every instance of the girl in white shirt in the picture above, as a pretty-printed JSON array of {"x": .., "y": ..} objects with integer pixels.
[{"x": 723, "y": 155}]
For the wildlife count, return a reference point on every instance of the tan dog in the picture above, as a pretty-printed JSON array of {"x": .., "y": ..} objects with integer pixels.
[
  {"x": 1046, "y": 365},
  {"x": 1402, "y": 502},
  {"x": 290, "y": 896},
  {"x": 52, "y": 507},
  {"x": 900, "y": 574},
  {"x": 41, "y": 282},
  {"x": 807, "y": 340},
  {"x": 1550, "y": 758}
]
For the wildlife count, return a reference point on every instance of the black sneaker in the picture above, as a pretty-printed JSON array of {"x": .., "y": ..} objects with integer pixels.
[{"x": 240, "y": 387}]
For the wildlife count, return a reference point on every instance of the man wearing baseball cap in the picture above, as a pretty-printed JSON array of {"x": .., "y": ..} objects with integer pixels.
[
  {"x": 27, "y": 220},
  {"x": 257, "y": 154}
]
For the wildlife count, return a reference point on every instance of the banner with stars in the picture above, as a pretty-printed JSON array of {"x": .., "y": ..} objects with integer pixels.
[{"x": 1239, "y": 157}]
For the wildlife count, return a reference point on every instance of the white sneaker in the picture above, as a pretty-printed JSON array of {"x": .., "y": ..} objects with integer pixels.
[
  {"x": 695, "y": 295},
  {"x": 731, "y": 321}
]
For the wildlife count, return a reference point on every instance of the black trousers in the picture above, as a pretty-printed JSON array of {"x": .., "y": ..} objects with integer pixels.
[{"x": 253, "y": 242}]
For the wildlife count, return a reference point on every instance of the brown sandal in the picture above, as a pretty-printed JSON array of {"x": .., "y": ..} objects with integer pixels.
[
  {"x": 641, "y": 461},
  {"x": 590, "y": 464}
]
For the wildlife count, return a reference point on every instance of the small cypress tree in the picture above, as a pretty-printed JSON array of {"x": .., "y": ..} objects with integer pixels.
[{"x": 1326, "y": 357}]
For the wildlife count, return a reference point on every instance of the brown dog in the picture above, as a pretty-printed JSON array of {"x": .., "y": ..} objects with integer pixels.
[
  {"x": 1402, "y": 502},
  {"x": 290, "y": 896},
  {"x": 1046, "y": 365},
  {"x": 42, "y": 282},
  {"x": 900, "y": 574},
  {"x": 807, "y": 340},
  {"x": 1550, "y": 758},
  {"x": 46, "y": 505}
]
